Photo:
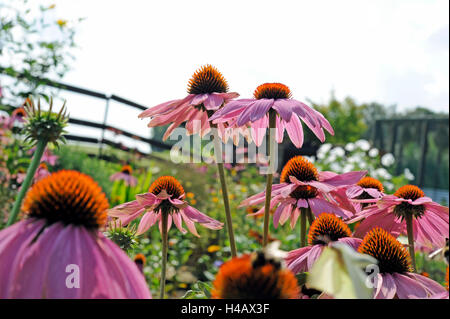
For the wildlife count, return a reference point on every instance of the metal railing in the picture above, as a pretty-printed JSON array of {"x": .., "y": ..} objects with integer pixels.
[{"x": 103, "y": 126}]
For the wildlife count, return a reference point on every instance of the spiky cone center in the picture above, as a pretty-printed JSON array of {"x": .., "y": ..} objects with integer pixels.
[
  {"x": 69, "y": 197},
  {"x": 391, "y": 255},
  {"x": 272, "y": 91},
  {"x": 369, "y": 182},
  {"x": 44, "y": 125},
  {"x": 170, "y": 185},
  {"x": 326, "y": 228},
  {"x": 140, "y": 259},
  {"x": 207, "y": 80},
  {"x": 19, "y": 112},
  {"x": 126, "y": 169},
  {"x": 409, "y": 192},
  {"x": 304, "y": 171},
  {"x": 243, "y": 278}
]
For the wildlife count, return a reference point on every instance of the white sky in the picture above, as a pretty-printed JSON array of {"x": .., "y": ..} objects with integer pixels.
[{"x": 392, "y": 52}]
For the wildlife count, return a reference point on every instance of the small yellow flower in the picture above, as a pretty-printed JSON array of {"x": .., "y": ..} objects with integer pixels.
[
  {"x": 233, "y": 172},
  {"x": 213, "y": 248},
  {"x": 231, "y": 196},
  {"x": 193, "y": 201},
  {"x": 61, "y": 22},
  {"x": 52, "y": 6},
  {"x": 190, "y": 195},
  {"x": 244, "y": 189},
  {"x": 215, "y": 199},
  {"x": 182, "y": 285}
]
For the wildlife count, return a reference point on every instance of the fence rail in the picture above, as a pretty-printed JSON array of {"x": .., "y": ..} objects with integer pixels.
[{"x": 103, "y": 126}]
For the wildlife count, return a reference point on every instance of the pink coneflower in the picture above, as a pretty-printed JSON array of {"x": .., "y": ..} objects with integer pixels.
[
  {"x": 125, "y": 175},
  {"x": 409, "y": 212},
  {"x": 272, "y": 107},
  {"x": 47, "y": 157},
  {"x": 59, "y": 247},
  {"x": 302, "y": 190},
  {"x": 165, "y": 194},
  {"x": 324, "y": 230},
  {"x": 276, "y": 98},
  {"x": 367, "y": 188},
  {"x": 18, "y": 115},
  {"x": 41, "y": 172},
  {"x": 395, "y": 278},
  {"x": 163, "y": 204},
  {"x": 208, "y": 91}
]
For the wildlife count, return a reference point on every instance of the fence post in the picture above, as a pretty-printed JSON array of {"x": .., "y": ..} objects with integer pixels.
[
  {"x": 423, "y": 153},
  {"x": 105, "y": 118},
  {"x": 394, "y": 137}
]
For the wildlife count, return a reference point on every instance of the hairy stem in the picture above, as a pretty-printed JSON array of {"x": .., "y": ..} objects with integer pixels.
[
  {"x": 164, "y": 234},
  {"x": 303, "y": 215},
  {"x": 409, "y": 228},
  {"x": 223, "y": 184},
  {"x": 36, "y": 160},
  {"x": 271, "y": 139}
]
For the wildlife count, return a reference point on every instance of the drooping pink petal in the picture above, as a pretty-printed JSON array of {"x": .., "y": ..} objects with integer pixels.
[
  {"x": 14, "y": 242},
  {"x": 386, "y": 288},
  {"x": 213, "y": 101},
  {"x": 164, "y": 107},
  {"x": 198, "y": 217},
  {"x": 279, "y": 133},
  {"x": 297, "y": 259},
  {"x": 283, "y": 108},
  {"x": 147, "y": 221},
  {"x": 319, "y": 206},
  {"x": 258, "y": 130},
  {"x": 177, "y": 220},
  {"x": 352, "y": 242},
  {"x": 314, "y": 254},
  {"x": 295, "y": 131},
  {"x": 385, "y": 219},
  {"x": 408, "y": 288},
  {"x": 430, "y": 285},
  {"x": 294, "y": 217},
  {"x": 190, "y": 224},
  {"x": 345, "y": 179}
]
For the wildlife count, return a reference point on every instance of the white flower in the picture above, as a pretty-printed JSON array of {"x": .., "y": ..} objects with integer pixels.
[
  {"x": 387, "y": 159},
  {"x": 363, "y": 144},
  {"x": 389, "y": 186},
  {"x": 350, "y": 147},
  {"x": 408, "y": 174},
  {"x": 338, "y": 151},
  {"x": 373, "y": 152},
  {"x": 383, "y": 173},
  {"x": 310, "y": 158},
  {"x": 335, "y": 167},
  {"x": 323, "y": 150},
  {"x": 348, "y": 168}
]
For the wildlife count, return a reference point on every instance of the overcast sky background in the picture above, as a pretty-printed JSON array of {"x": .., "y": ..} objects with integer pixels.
[{"x": 392, "y": 52}]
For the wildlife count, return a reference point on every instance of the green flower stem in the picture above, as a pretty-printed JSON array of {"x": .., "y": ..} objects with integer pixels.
[
  {"x": 36, "y": 160},
  {"x": 311, "y": 217},
  {"x": 271, "y": 139},
  {"x": 226, "y": 203},
  {"x": 164, "y": 234},
  {"x": 223, "y": 184},
  {"x": 409, "y": 228},
  {"x": 304, "y": 212}
]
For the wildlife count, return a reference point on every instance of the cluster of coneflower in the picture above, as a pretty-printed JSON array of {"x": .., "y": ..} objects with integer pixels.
[{"x": 66, "y": 210}]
